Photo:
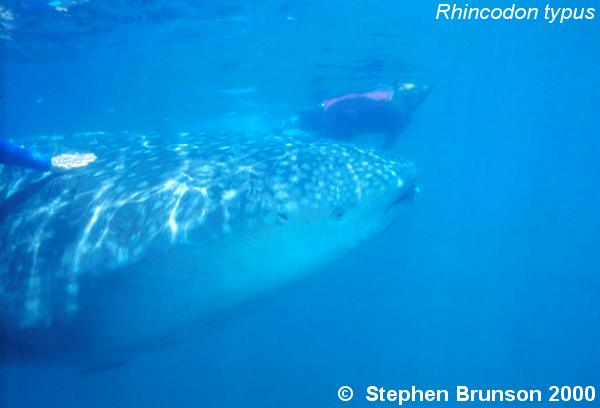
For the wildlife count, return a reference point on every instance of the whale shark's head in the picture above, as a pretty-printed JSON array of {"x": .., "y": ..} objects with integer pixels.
[
  {"x": 339, "y": 194},
  {"x": 163, "y": 231},
  {"x": 281, "y": 207}
]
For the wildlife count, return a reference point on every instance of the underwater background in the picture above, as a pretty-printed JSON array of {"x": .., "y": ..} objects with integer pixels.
[{"x": 491, "y": 280}]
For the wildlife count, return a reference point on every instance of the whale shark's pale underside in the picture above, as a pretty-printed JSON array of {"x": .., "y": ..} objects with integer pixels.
[{"x": 165, "y": 231}]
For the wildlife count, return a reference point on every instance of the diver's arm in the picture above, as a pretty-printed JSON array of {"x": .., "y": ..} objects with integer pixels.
[{"x": 14, "y": 155}]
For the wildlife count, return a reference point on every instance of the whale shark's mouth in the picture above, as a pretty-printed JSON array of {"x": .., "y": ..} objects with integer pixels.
[
  {"x": 403, "y": 200},
  {"x": 407, "y": 196}
]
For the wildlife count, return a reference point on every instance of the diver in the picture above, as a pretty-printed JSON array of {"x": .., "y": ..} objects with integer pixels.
[
  {"x": 15, "y": 155},
  {"x": 383, "y": 111}
]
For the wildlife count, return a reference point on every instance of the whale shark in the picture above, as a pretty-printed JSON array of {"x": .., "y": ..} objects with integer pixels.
[{"x": 166, "y": 231}]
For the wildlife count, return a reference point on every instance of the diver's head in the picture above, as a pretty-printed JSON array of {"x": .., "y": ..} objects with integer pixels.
[{"x": 411, "y": 94}]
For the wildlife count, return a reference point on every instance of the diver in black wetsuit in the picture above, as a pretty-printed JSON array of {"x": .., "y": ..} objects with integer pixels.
[
  {"x": 382, "y": 111},
  {"x": 15, "y": 155}
]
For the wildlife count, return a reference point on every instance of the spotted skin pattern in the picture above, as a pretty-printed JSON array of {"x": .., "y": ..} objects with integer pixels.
[{"x": 150, "y": 190}]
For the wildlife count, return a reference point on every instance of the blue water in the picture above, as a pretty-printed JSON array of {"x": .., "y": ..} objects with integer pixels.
[{"x": 491, "y": 280}]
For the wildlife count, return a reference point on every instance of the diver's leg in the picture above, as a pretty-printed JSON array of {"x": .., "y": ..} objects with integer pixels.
[{"x": 393, "y": 132}]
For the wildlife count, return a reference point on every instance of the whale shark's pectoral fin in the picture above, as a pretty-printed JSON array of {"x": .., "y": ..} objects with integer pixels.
[{"x": 101, "y": 368}]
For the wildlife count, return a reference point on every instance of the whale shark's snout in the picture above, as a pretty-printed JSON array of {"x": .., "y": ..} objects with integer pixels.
[
  {"x": 406, "y": 195},
  {"x": 402, "y": 201},
  {"x": 402, "y": 195}
]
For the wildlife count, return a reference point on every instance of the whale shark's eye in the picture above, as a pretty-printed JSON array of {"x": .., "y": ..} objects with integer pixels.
[{"x": 337, "y": 213}]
